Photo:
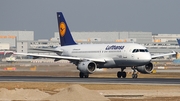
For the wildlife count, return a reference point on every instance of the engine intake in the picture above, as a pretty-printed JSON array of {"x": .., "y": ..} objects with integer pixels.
[
  {"x": 146, "y": 69},
  {"x": 87, "y": 67}
]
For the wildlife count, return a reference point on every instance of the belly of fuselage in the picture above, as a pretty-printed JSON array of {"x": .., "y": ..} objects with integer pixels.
[
  {"x": 117, "y": 63},
  {"x": 130, "y": 63}
]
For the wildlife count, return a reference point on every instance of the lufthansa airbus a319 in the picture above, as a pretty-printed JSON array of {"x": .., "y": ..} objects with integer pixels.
[{"x": 89, "y": 57}]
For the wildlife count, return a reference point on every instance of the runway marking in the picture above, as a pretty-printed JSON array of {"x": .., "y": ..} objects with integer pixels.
[{"x": 123, "y": 96}]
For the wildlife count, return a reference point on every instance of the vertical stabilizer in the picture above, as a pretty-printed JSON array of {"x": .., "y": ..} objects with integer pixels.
[
  {"x": 64, "y": 32},
  {"x": 178, "y": 40}
]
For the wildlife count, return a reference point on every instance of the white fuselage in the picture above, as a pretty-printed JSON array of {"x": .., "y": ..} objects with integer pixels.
[{"x": 115, "y": 55}]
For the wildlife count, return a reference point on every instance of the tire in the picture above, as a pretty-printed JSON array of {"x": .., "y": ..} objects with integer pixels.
[
  {"x": 119, "y": 74},
  {"x": 134, "y": 76},
  {"x": 86, "y": 76},
  {"x": 81, "y": 75},
  {"x": 124, "y": 74}
]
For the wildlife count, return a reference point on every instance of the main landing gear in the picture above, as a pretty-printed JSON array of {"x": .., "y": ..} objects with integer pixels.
[
  {"x": 83, "y": 75},
  {"x": 121, "y": 73}
]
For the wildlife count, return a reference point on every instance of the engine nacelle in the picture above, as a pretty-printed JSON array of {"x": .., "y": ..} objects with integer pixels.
[
  {"x": 87, "y": 67},
  {"x": 146, "y": 69}
]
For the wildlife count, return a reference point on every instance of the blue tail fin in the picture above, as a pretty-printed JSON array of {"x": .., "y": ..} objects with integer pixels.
[
  {"x": 64, "y": 32},
  {"x": 178, "y": 40}
]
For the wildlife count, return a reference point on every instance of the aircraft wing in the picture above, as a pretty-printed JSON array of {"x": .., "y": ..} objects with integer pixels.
[
  {"x": 50, "y": 50},
  {"x": 160, "y": 55},
  {"x": 60, "y": 57}
]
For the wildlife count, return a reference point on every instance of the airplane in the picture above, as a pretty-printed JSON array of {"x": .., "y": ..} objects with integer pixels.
[
  {"x": 89, "y": 57},
  {"x": 178, "y": 40}
]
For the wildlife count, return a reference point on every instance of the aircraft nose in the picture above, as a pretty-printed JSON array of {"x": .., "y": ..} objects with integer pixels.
[
  {"x": 144, "y": 58},
  {"x": 147, "y": 58}
]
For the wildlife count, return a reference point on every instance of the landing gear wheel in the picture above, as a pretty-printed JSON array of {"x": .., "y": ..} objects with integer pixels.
[
  {"x": 121, "y": 74},
  {"x": 86, "y": 76},
  {"x": 82, "y": 75},
  {"x": 134, "y": 76},
  {"x": 124, "y": 74}
]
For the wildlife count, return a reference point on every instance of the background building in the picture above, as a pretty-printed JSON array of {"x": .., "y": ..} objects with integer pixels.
[
  {"x": 138, "y": 37},
  {"x": 22, "y": 41},
  {"x": 12, "y": 37}
]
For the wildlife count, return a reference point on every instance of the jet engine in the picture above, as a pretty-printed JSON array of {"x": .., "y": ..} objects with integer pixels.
[
  {"x": 87, "y": 67},
  {"x": 146, "y": 69}
]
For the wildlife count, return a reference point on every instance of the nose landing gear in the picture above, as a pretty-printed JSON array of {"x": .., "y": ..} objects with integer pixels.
[{"x": 134, "y": 75}]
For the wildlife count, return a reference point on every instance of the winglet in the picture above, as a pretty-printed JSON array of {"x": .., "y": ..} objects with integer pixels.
[{"x": 64, "y": 32}]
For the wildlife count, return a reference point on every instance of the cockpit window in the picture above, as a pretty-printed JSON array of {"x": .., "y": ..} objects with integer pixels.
[
  {"x": 139, "y": 50},
  {"x": 146, "y": 50},
  {"x": 134, "y": 51},
  {"x": 142, "y": 50}
]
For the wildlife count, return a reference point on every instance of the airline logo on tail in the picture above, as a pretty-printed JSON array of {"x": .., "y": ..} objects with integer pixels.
[
  {"x": 64, "y": 32},
  {"x": 62, "y": 27}
]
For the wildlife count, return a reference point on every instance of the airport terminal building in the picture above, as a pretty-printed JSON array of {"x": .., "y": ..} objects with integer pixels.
[
  {"x": 21, "y": 41},
  {"x": 13, "y": 37}
]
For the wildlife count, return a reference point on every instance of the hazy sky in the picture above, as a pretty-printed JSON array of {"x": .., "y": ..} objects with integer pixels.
[{"x": 157, "y": 16}]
